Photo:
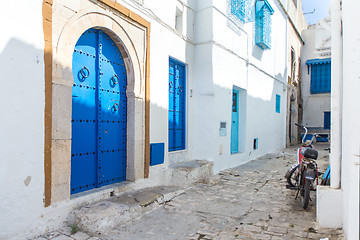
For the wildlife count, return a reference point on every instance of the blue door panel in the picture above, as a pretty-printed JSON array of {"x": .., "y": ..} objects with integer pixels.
[
  {"x": 113, "y": 77},
  {"x": 88, "y": 42},
  {"x": 235, "y": 122},
  {"x": 98, "y": 113},
  {"x": 84, "y": 68},
  {"x": 110, "y": 52},
  {"x": 113, "y": 137},
  {"x": 115, "y": 173},
  {"x": 83, "y": 108},
  {"x": 86, "y": 164},
  {"x": 86, "y": 133}
]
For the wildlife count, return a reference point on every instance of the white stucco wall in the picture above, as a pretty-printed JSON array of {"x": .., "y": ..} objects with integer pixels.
[
  {"x": 314, "y": 105},
  {"x": 350, "y": 168},
  {"x": 221, "y": 56},
  {"x": 22, "y": 117},
  {"x": 217, "y": 59}
]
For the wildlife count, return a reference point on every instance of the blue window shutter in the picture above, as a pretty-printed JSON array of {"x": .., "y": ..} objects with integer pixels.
[
  {"x": 176, "y": 105},
  {"x": 263, "y": 14},
  {"x": 277, "y": 105},
  {"x": 320, "y": 78}
]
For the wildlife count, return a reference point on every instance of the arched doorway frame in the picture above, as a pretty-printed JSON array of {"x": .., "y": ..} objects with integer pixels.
[{"x": 136, "y": 62}]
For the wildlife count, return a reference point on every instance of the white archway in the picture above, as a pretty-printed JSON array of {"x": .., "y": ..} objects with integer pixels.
[{"x": 132, "y": 45}]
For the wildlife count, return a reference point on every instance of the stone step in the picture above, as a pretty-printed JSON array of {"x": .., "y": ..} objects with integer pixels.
[
  {"x": 99, "y": 217},
  {"x": 187, "y": 173}
]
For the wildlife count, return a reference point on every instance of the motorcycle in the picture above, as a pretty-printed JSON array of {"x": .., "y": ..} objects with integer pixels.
[{"x": 302, "y": 175}]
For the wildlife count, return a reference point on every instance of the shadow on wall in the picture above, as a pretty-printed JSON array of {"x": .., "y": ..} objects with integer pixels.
[
  {"x": 22, "y": 131},
  {"x": 22, "y": 103},
  {"x": 257, "y": 52}
]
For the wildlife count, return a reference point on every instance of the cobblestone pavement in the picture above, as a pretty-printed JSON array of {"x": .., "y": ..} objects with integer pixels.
[{"x": 246, "y": 202}]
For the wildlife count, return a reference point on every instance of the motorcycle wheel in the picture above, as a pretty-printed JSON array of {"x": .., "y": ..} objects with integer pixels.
[
  {"x": 305, "y": 195},
  {"x": 292, "y": 177}
]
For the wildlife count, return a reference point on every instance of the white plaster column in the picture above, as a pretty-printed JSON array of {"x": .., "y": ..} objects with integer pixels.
[{"x": 336, "y": 93}]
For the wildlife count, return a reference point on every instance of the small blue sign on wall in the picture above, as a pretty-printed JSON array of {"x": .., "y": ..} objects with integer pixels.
[{"x": 157, "y": 153}]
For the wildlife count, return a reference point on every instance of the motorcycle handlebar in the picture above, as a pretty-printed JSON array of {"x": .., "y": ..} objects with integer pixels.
[{"x": 299, "y": 125}]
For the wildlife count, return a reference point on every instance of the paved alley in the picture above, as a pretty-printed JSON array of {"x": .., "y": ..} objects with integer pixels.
[{"x": 246, "y": 202}]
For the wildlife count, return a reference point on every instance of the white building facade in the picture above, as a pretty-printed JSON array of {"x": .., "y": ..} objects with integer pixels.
[
  {"x": 338, "y": 205},
  {"x": 316, "y": 77},
  {"x": 179, "y": 80}
]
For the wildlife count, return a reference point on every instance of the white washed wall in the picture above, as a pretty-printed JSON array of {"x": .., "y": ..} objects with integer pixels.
[
  {"x": 223, "y": 52},
  {"x": 314, "y": 105},
  {"x": 216, "y": 59},
  {"x": 22, "y": 117},
  {"x": 350, "y": 169}
]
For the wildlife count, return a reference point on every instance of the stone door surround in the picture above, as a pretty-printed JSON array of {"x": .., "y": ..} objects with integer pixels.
[{"x": 131, "y": 35}]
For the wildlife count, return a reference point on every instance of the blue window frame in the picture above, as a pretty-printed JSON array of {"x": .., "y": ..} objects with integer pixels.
[
  {"x": 320, "y": 78},
  {"x": 277, "y": 105},
  {"x": 243, "y": 10},
  {"x": 177, "y": 90},
  {"x": 263, "y": 12}
]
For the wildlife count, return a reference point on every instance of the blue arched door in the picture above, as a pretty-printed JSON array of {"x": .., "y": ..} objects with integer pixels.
[{"x": 98, "y": 146}]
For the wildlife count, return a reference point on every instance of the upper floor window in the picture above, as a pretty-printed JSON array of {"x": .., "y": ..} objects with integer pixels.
[
  {"x": 243, "y": 10},
  {"x": 320, "y": 75},
  {"x": 263, "y": 12}
]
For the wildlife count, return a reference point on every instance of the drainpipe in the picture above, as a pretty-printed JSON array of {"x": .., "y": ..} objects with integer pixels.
[{"x": 336, "y": 94}]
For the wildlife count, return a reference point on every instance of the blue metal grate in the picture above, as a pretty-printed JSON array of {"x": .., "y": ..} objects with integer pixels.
[
  {"x": 243, "y": 10},
  {"x": 176, "y": 105},
  {"x": 320, "y": 78},
  {"x": 263, "y": 24}
]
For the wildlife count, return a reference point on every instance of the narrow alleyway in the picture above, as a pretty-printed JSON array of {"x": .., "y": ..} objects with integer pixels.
[{"x": 246, "y": 202}]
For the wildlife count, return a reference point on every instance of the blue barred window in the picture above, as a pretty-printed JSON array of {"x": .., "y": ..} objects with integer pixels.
[
  {"x": 320, "y": 78},
  {"x": 243, "y": 10},
  {"x": 263, "y": 24},
  {"x": 177, "y": 90}
]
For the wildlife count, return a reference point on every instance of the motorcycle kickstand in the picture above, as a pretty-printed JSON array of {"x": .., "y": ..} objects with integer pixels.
[{"x": 297, "y": 193}]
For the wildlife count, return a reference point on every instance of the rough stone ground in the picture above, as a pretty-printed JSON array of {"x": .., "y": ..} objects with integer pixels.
[{"x": 246, "y": 202}]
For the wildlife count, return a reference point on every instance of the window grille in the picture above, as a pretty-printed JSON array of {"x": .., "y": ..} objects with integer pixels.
[
  {"x": 320, "y": 78},
  {"x": 243, "y": 10},
  {"x": 263, "y": 24},
  {"x": 176, "y": 112}
]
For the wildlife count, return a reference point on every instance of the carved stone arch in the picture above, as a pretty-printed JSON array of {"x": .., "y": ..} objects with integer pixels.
[{"x": 132, "y": 45}]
